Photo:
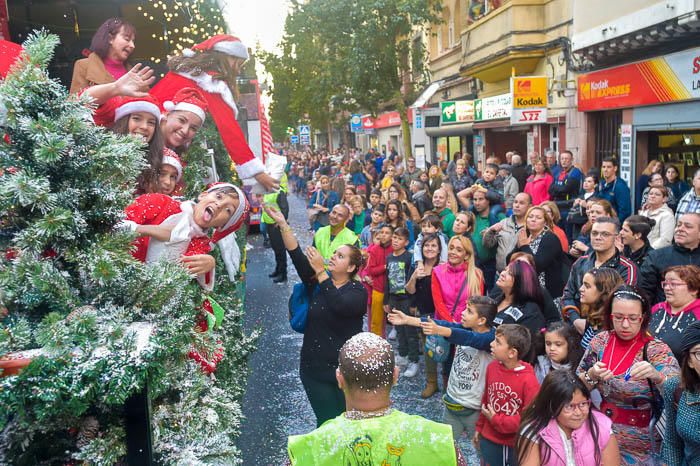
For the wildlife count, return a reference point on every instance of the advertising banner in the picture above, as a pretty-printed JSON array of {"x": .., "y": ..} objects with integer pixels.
[
  {"x": 529, "y": 100},
  {"x": 460, "y": 111},
  {"x": 493, "y": 108},
  {"x": 670, "y": 78}
]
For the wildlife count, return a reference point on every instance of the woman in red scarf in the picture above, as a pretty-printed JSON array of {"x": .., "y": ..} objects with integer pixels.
[{"x": 624, "y": 362}]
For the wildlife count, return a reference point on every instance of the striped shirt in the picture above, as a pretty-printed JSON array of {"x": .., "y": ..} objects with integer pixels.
[{"x": 690, "y": 202}]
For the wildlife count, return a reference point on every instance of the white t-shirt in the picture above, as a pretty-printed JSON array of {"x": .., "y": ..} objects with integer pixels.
[
  {"x": 468, "y": 376},
  {"x": 568, "y": 447}
]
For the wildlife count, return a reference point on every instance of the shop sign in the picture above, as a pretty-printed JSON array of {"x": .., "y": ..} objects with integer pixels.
[
  {"x": 626, "y": 153},
  {"x": 493, "y": 108},
  {"x": 460, "y": 111},
  {"x": 670, "y": 78},
  {"x": 356, "y": 123},
  {"x": 529, "y": 100},
  {"x": 385, "y": 120}
]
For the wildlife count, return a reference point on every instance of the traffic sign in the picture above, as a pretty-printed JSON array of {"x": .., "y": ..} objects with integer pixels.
[
  {"x": 304, "y": 130},
  {"x": 294, "y": 139},
  {"x": 305, "y": 139}
]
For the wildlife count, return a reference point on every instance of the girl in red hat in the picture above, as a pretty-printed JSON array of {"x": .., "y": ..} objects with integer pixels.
[{"x": 212, "y": 67}]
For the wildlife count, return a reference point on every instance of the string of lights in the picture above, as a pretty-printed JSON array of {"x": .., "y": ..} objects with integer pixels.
[{"x": 183, "y": 23}]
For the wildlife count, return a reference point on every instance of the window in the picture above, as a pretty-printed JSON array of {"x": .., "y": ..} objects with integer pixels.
[
  {"x": 451, "y": 32},
  {"x": 439, "y": 39},
  {"x": 554, "y": 138}
]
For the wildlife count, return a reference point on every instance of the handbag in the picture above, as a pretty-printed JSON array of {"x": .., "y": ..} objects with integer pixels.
[
  {"x": 299, "y": 303},
  {"x": 437, "y": 347}
]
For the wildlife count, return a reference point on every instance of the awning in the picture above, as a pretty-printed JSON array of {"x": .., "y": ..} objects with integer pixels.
[
  {"x": 450, "y": 130},
  {"x": 427, "y": 94}
]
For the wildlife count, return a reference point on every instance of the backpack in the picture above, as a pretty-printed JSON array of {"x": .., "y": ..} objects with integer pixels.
[{"x": 299, "y": 303}]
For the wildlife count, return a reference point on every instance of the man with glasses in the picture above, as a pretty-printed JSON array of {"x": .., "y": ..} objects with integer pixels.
[
  {"x": 683, "y": 251},
  {"x": 604, "y": 254}
]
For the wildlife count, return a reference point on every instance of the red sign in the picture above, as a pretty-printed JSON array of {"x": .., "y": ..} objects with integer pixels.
[
  {"x": 670, "y": 78},
  {"x": 385, "y": 120}
]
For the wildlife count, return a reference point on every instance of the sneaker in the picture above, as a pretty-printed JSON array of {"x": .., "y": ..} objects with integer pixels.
[
  {"x": 401, "y": 361},
  {"x": 411, "y": 370},
  {"x": 392, "y": 334}
]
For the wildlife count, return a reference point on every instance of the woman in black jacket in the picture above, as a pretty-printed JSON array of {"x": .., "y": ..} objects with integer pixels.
[
  {"x": 545, "y": 247},
  {"x": 522, "y": 303},
  {"x": 335, "y": 314}
]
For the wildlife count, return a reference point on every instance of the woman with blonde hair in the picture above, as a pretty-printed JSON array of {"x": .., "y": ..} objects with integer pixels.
[
  {"x": 555, "y": 216},
  {"x": 435, "y": 178},
  {"x": 537, "y": 239},
  {"x": 456, "y": 280},
  {"x": 653, "y": 167}
]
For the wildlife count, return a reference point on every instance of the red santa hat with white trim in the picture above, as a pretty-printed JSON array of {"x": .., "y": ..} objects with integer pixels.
[
  {"x": 172, "y": 159},
  {"x": 129, "y": 105},
  {"x": 224, "y": 43},
  {"x": 188, "y": 99}
]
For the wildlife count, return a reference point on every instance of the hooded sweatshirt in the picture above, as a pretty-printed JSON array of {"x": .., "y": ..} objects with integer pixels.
[
  {"x": 447, "y": 281},
  {"x": 668, "y": 327}
]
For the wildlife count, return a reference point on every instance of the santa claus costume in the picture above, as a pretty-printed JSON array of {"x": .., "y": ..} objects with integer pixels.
[
  {"x": 186, "y": 238},
  {"x": 118, "y": 107},
  {"x": 219, "y": 99}
]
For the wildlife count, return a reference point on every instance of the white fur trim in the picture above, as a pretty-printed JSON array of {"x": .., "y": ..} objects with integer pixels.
[
  {"x": 187, "y": 107},
  {"x": 250, "y": 168},
  {"x": 235, "y": 49},
  {"x": 137, "y": 106},
  {"x": 188, "y": 53},
  {"x": 214, "y": 86},
  {"x": 172, "y": 161}
]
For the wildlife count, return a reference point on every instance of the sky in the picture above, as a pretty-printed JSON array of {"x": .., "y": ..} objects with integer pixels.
[{"x": 257, "y": 21}]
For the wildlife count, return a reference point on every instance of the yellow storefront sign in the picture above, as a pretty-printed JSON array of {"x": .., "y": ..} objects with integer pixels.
[{"x": 529, "y": 92}]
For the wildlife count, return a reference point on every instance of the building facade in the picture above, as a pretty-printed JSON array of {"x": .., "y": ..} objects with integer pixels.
[{"x": 640, "y": 82}]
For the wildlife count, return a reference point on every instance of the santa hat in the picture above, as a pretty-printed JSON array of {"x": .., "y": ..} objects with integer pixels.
[
  {"x": 9, "y": 53},
  {"x": 238, "y": 216},
  {"x": 129, "y": 105},
  {"x": 188, "y": 99},
  {"x": 172, "y": 159},
  {"x": 224, "y": 43}
]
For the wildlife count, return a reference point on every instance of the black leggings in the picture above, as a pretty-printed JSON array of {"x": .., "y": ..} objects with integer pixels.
[
  {"x": 277, "y": 245},
  {"x": 327, "y": 400}
]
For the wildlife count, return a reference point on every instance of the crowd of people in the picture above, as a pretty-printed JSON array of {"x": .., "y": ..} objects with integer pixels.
[
  {"x": 558, "y": 315},
  {"x": 561, "y": 314}
]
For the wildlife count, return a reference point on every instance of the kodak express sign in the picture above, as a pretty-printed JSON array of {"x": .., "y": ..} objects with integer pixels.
[
  {"x": 529, "y": 99},
  {"x": 670, "y": 78}
]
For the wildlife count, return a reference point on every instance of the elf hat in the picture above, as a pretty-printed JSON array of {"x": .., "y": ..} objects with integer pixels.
[
  {"x": 129, "y": 105},
  {"x": 238, "y": 216},
  {"x": 224, "y": 43},
  {"x": 172, "y": 159},
  {"x": 188, "y": 99}
]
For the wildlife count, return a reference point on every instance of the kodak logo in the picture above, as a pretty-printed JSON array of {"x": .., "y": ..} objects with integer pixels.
[{"x": 530, "y": 102}]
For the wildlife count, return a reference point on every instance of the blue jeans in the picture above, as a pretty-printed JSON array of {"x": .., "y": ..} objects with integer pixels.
[{"x": 493, "y": 213}]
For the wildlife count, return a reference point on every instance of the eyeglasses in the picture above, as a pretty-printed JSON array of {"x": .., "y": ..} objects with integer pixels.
[
  {"x": 602, "y": 234},
  {"x": 582, "y": 406},
  {"x": 671, "y": 285},
  {"x": 618, "y": 319},
  {"x": 696, "y": 355}
]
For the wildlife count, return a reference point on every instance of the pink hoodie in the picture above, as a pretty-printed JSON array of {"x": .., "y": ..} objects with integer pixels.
[{"x": 447, "y": 280}]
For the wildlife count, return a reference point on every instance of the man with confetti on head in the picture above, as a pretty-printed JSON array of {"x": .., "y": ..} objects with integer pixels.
[{"x": 371, "y": 432}]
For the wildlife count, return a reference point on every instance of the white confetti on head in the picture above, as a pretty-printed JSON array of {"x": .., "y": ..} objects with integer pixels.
[{"x": 366, "y": 362}]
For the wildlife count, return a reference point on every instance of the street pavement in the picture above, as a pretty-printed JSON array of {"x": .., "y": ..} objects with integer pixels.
[{"x": 275, "y": 405}]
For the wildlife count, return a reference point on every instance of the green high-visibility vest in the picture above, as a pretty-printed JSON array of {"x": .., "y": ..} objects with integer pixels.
[
  {"x": 394, "y": 439},
  {"x": 271, "y": 199},
  {"x": 326, "y": 247}
]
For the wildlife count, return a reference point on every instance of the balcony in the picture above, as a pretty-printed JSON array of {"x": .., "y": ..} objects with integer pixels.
[{"x": 513, "y": 36}]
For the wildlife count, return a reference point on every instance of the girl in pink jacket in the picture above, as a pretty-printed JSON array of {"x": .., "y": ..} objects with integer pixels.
[{"x": 561, "y": 427}]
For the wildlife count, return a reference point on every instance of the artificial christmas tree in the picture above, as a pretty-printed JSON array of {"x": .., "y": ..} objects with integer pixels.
[{"x": 101, "y": 326}]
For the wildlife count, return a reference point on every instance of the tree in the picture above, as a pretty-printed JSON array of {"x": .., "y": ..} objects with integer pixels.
[
  {"x": 102, "y": 325},
  {"x": 358, "y": 55}
]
